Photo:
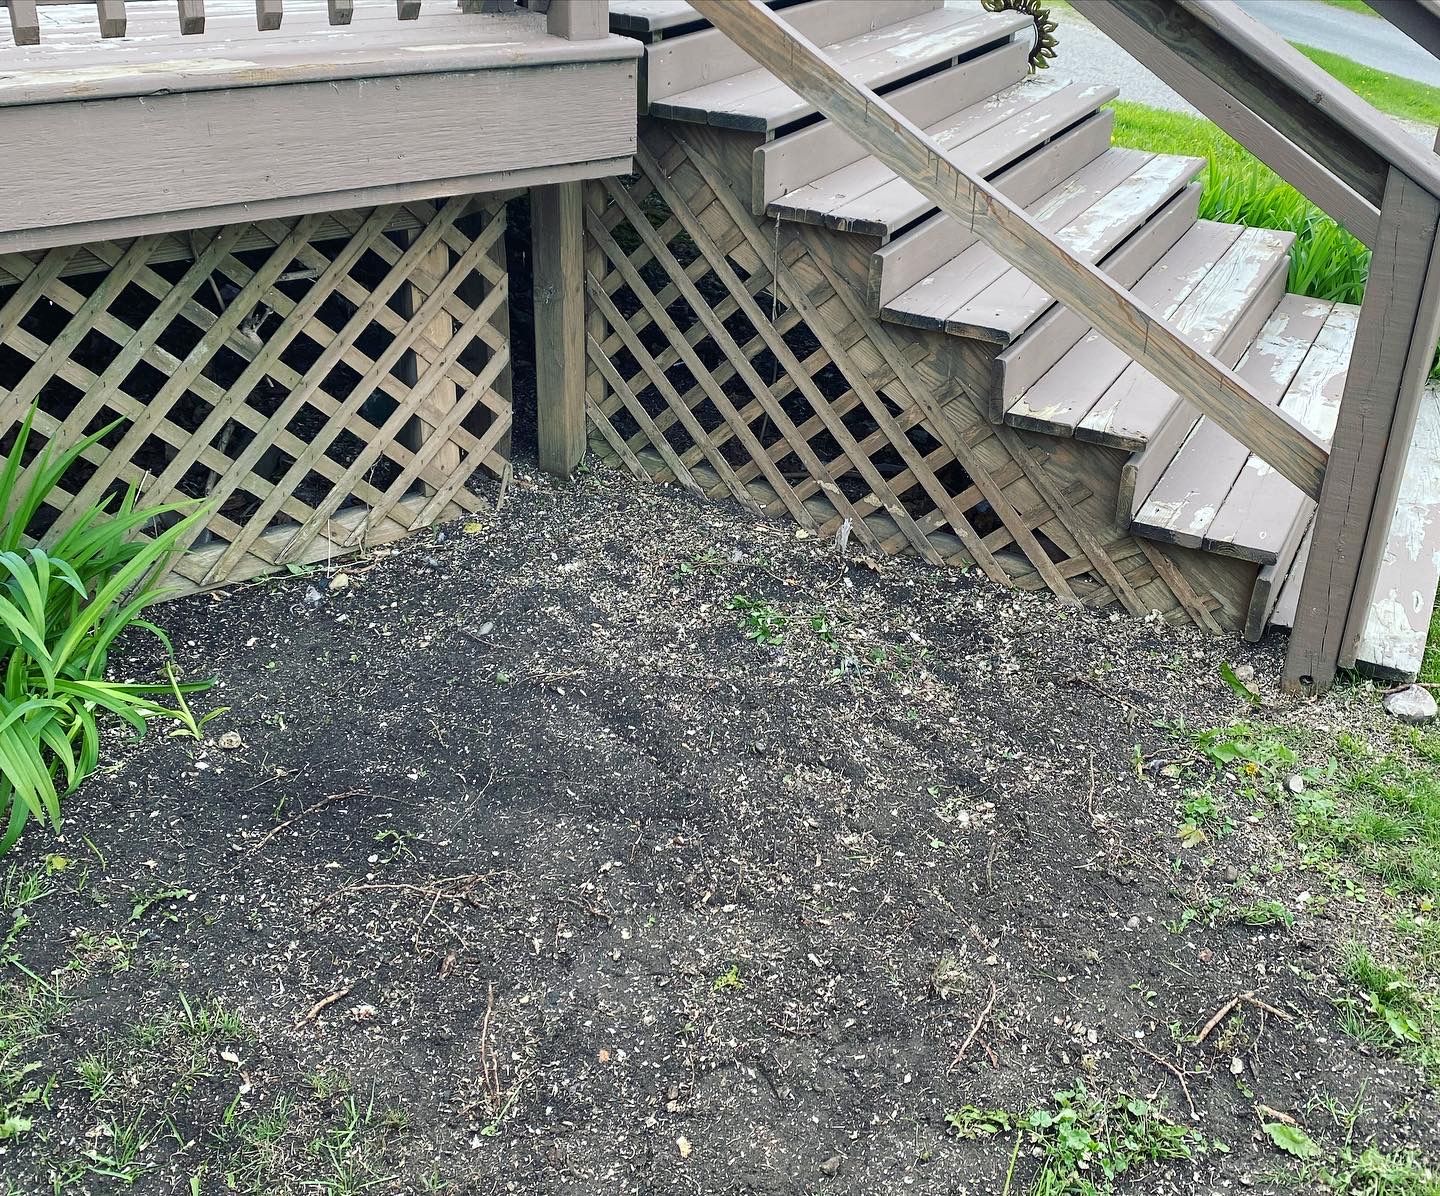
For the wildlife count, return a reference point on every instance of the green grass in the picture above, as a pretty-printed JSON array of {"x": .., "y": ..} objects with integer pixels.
[
  {"x": 1367, "y": 820},
  {"x": 1398, "y": 96},
  {"x": 1326, "y": 261},
  {"x": 1352, "y": 6}
]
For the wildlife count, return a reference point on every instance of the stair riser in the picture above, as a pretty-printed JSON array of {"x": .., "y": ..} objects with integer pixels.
[
  {"x": 910, "y": 257},
  {"x": 1145, "y": 467},
  {"x": 1267, "y": 583},
  {"x": 1058, "y": 331},
  {"x": 790, "y": 162},
  {"x": 697, "y": 58}
]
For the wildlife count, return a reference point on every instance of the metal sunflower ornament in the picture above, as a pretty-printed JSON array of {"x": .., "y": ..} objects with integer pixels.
[{"x": 1044, "y": 47}]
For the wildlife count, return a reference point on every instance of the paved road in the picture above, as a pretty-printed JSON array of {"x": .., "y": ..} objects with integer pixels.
[{"x": 1370, "y": 40}]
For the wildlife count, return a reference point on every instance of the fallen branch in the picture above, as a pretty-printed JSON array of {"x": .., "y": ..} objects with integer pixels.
[
  {"x": 1248, "y": 998},
  {"x": 975, "y": 1029},
  {"x": 1220, "y": 1015}
]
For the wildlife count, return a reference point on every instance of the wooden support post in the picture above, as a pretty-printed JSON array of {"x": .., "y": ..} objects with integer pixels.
[
  {"x": 578, "y": 20},
  {"x": 556, "y": 240},
  {"x": 1394, "y": 346}
]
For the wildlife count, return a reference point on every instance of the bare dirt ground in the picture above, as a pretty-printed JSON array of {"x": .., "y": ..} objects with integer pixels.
[{"x": 525, "y": 869}]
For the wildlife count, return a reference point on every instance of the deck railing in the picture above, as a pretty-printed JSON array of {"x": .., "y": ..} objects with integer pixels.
[
  {"x": 577, "y": 20},
  {"x": 1385, "y": 188},
  {"x": 1315, "y": 133}
]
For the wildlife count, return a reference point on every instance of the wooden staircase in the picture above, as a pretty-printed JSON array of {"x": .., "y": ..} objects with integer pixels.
[{"x": 1131, "y": 494}]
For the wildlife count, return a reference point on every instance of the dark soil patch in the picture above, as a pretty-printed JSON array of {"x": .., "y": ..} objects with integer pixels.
[{"x": 593, "y": 874}]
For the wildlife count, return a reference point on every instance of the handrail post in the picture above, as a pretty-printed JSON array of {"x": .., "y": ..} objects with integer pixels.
[
  {"x": 578, "y": 20},
  {"x": 1394, "y": 347}
]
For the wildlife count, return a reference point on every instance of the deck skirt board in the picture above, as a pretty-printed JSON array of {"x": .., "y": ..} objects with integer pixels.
[{"x": 77, "y": 163}]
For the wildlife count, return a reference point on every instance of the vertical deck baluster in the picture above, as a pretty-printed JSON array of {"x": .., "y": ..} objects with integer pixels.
[
  {"x": 24, "y": 22},
  {"x": 192, "y": 16},
  {"x": 407, "y": 10},
  {"x": 340, "y": 11},
  {"x": 268, "y": 14},
  {"x": 112, "y": 17}
]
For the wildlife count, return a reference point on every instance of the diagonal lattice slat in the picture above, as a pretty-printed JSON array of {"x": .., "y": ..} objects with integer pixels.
[
  {"x": 740, "y": 358},
  {"x": 325, "y": 383}
]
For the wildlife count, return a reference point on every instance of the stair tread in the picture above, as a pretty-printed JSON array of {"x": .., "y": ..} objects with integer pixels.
[
  {"x": 936, "y": 297},
  {"x": 793, "y": 161},
  {"x": 1137, "y": 402},
  {"x": 1187, "y": 496},
  {"x": 652, "y": 16},
  {"x": 1004, "y": 309},
  {"x": 1095, "y": 391},
  {"x": 868, "y": 197},
  {"x": 909, "y": 257},
  {"x": 755, "y": 100},
  {"x": 1024, "y": 361},
  {"x": 1261, "y": 507}
]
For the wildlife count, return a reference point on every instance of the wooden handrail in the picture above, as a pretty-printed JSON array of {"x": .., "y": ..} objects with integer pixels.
[
  {"x": 1308, "y": 127},
  {"x": 1385, "y": 188},
  {"x": 915, "y": 157}
]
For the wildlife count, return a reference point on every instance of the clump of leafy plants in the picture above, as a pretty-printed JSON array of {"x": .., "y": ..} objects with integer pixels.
[
  {"x": 65, "y": 595},
  {"x": 1085, "y": 1142}
]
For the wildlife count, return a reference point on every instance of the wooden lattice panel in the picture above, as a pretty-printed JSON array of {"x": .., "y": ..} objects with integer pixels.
[
  {"x": 739, "y": 358},
  {"x": 324, "y": 383}
]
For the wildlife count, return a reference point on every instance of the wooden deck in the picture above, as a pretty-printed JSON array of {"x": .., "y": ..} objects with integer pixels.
[{"x": 157, "y": 131}]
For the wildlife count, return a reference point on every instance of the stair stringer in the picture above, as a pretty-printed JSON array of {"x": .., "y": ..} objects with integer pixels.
[{"x": 798, "y": 402}]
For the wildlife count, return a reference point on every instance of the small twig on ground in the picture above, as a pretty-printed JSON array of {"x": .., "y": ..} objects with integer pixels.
[
  {"x": 1220, "y": 1015},
  {"x": 1177, "y": 1073},
  {"x": 322, "y": 1004},
  {"x": 324, "y": 801},
  {"x": 489, "y": 1065},
  {"x": 1252, "y": 999},
  {"x": 1131, "y": 707},
  {"x": 466, "y": 881},
  {"x": 1249, "y": 998},
  {"x": 975, "y": 1029}
]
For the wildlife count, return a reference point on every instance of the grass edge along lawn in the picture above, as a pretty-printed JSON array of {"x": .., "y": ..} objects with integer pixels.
[{"x": 1395, "y": 94}]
